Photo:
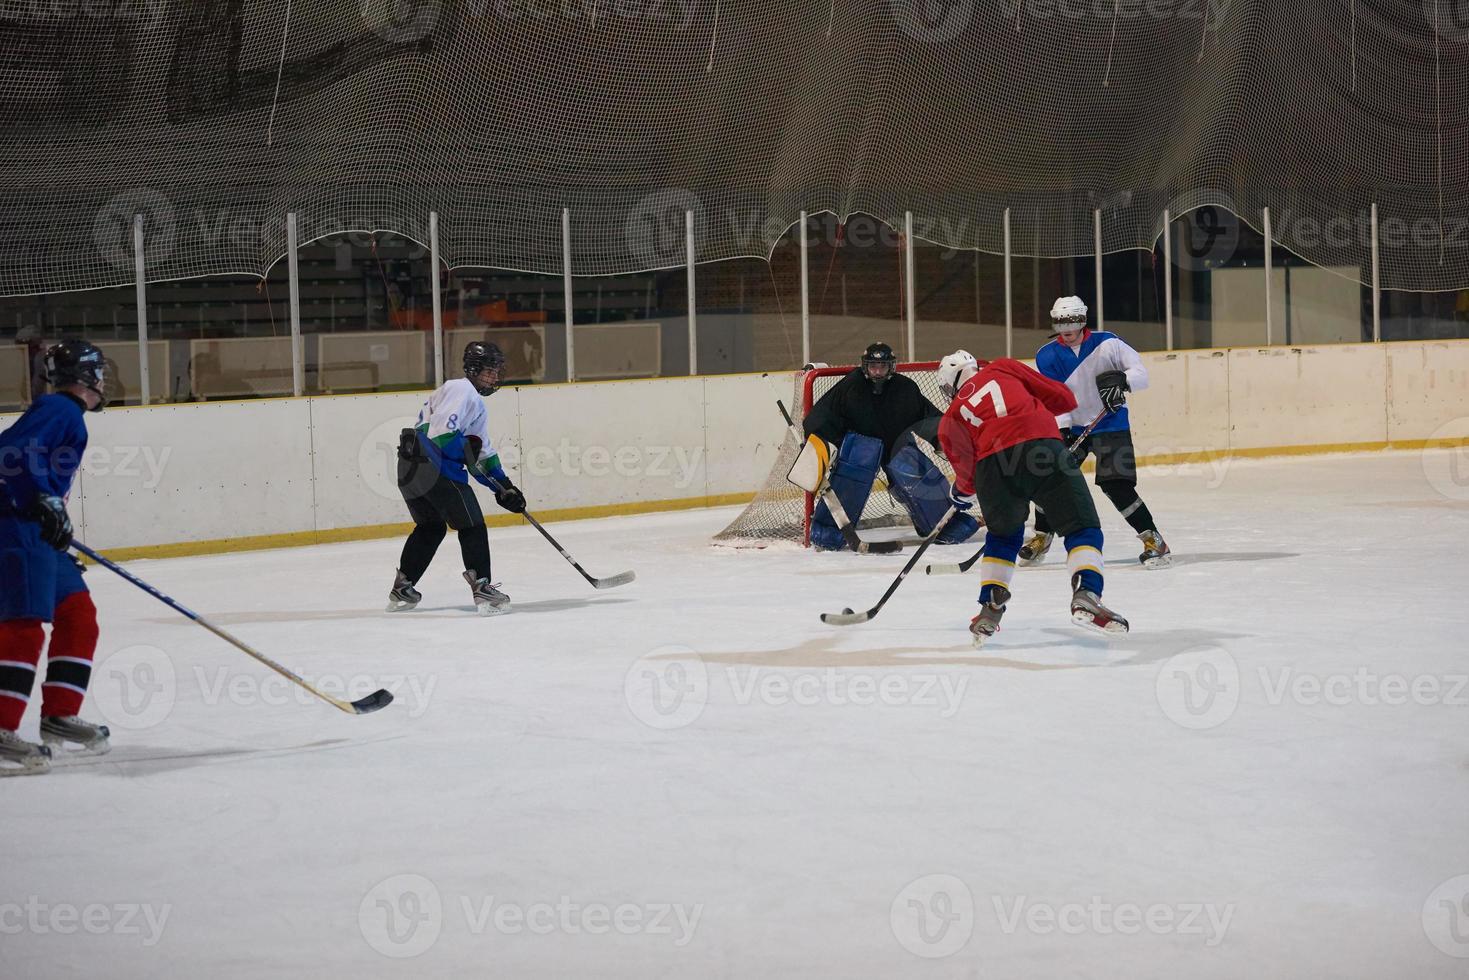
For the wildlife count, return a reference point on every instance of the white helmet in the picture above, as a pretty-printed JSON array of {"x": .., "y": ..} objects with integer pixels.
[
  {"x": 954, "y": 370},
  {"x": 1068, "y": 309}
]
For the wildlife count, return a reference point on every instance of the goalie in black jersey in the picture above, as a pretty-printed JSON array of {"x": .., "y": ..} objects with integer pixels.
[{"x": 875, "y": 414}]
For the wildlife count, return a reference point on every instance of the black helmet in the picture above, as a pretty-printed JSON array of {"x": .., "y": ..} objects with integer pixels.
[
  {"x": 481, "y": 354},
  {"x": 77, "y": 362},
  {"x": 879, "y": 364}
]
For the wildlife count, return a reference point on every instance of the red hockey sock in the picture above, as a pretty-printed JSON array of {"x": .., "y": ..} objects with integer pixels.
[
  {"x": 69, "y": 661},
  {"x": 20, "y": 650}
]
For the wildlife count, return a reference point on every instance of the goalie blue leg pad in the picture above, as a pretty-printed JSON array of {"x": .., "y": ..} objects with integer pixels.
[
  {"x": 852, "y": 476},
  {"x": 923, "y": 490}
]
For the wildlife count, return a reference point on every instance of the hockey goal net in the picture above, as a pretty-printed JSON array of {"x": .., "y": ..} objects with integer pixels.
[{"x": 781, "y": 511}]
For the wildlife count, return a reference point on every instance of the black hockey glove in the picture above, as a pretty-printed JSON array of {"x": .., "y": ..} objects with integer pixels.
[
  {"x": 510, "y": 498},
  {"x": 50, "y": 513},
  {"x": 1113, "y": 387}
]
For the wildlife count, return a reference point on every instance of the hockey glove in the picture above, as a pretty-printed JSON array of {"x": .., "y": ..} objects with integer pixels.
[
  {"x": 1113, "y": 387},
  {"x": 50, "y": 513},
  {"x": 510, "y": 498},
  {"x": 962, "y": 501}
]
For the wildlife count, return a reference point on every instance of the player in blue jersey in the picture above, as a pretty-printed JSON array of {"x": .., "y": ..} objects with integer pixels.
[
  {"x": 39, "y": 582},
  {"x": 436, "y": 459},
  {"x": 1099, "y": 368}
]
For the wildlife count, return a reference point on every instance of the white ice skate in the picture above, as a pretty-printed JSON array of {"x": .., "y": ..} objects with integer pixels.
[
  {"x": 488, "y": 599},
  {"x": 1156, "y": 553},
  {"x": 1033, "y": 552},
  {"x": 21, "y": 758},
  {"x": 60, "y": 732}
]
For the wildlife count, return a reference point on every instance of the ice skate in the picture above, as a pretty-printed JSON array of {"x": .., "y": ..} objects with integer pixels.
[
  {"x": 1033, "y": 552},
  {"x": 488, "y": 599},
  {"x": 1156, "y": 553},
  {"x": 403, "y": 596},
  {"x": 1087, "y": 610},
  {"x": 59, "y": 731},
  {"x": 987, "y": 623},
  {"x": 21, "y": 758}
]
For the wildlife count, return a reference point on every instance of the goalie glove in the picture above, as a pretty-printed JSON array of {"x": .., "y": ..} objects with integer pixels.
[
  {"x": 1113, "y": 387},
  {"x": 810, "y": 468}
]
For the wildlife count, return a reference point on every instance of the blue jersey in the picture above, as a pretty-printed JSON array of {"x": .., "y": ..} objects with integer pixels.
[
  {"x": 1077, "y": 368},
  {"x": 40, "y": 453}
]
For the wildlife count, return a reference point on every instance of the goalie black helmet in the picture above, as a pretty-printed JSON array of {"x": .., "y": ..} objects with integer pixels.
[
  {"x": 879, "y": 363},
  {"x": 480, "y": 355},
  {"x": 78, "y": 362}
]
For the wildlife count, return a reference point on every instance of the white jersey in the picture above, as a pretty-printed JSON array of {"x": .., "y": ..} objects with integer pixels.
[
  {"x": 1077, "y": 367},
  {"x": 451, "y": 416}
]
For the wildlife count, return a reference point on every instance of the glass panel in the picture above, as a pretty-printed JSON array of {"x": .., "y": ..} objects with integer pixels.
[
  {"x": 106, "y": 317},
  {"x": 628, "y": 326},
  {"x": 1423, "y": 316},
  {"x": 520, "y": 312},
  {"x": 1315, "y": 305},
  {"x": 366, "y": 313},
  {"x": 960, "y": 302},
  {"x": 1218, "y": 283},
  {"x": 1132, "y": 291},
  {"x": 856, "y": 288},
  {"x": 228, "y": 336},
  {"x": 1038, "y": 283},
  {"x": 750, "y": 311}
]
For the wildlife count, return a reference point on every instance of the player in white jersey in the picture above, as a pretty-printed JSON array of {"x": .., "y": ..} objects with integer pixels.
[
  {"x": 1099, "y": 368},
  {"x": 451, "y": 443}
]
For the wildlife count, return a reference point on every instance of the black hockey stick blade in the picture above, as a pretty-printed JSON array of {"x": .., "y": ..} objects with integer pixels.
[
  {"x": 376, "y": 701},
  {"x": 849, "y": 618}
]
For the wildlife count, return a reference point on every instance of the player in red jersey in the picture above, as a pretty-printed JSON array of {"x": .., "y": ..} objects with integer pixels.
[{"x": 1000, "y": 433}]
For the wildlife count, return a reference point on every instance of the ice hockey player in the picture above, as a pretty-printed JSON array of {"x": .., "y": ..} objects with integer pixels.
[
  {"x": 1000, "y": 433},
  {"x": 874, "y": 414},
  {"x": 1099, "y": 368},
  {"x": 453, "y": 436},
  {"x": 40, "y": 582}
]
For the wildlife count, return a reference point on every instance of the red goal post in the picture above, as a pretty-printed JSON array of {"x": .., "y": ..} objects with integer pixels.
[{"x": 781, "y": 512}]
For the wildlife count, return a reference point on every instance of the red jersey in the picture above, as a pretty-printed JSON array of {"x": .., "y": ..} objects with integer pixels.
[{"x": 1003, "y": 405}]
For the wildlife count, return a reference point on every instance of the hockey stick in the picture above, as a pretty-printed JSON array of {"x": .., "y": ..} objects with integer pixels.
[
  {"x": 839, "y": 513},
  {"x": 848, "y": 618},
  {"x": 969, "y": 562},
  {"x": 611, "y": 582},
  {"x": 373, "y": 702}
]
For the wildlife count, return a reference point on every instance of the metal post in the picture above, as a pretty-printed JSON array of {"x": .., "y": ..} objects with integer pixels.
[
  {"x": 142, "y": 297},
  {"x": 1097, "y": 236},
  {"x": 909, "y": 267},
  {"x": 1168, "y": 279},
  {"x": 692, "y": 248},
  {"x": 1376, "y": 283},
  {"x": 805, "y": 298},
  {"x": 293, "y": 270},
  {"x": 1009, "y": 297},
  {"x": 567, "y": 291},
  {"x": 438, "y": 300},
  {"x": 1269, "y": 275}
]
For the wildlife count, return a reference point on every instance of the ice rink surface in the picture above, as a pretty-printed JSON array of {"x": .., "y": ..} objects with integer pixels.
[{"x": 693, "y": 777}]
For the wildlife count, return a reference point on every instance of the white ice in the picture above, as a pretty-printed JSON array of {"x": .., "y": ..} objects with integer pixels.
[{"x": 692, "y": 776}]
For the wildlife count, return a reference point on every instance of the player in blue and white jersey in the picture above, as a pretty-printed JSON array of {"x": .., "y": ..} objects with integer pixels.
[
  {"x": 1099, "y": 368},
  {"x": 436, "y": 459}
]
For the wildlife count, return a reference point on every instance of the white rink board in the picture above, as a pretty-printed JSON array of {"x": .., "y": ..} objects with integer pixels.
[{"x": 277, "y": 466}]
